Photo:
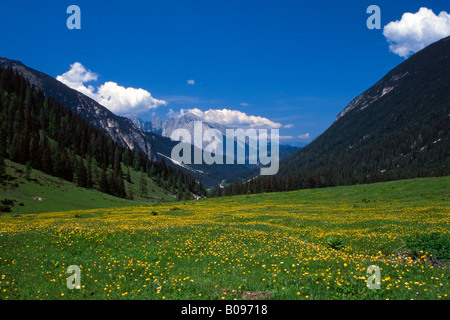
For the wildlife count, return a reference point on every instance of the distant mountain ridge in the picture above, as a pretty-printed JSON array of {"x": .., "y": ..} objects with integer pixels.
[
  {"x": 165, "y": 128},
  {"x": 187, "y": 121}
]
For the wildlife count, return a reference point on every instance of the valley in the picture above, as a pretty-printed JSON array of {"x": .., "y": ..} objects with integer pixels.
[{"x": 273, "y": 246}]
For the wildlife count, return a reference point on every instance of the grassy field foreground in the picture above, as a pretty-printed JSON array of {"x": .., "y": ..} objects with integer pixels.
[{"x": 267, "y": 246}]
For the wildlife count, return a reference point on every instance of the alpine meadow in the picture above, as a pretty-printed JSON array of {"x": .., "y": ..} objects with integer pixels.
[{"x": 98, "y": 201}]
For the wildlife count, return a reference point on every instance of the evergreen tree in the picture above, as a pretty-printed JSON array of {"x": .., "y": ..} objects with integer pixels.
[
  {"x": 137, "y": 164},
  {"x": 67, "y": 172},
  {"x": 94, "y": 171},
  {"x": 130, "y": 194},
  {"x": 28, "y": 170},
  {"x": 103, "y": 181},
  {"x": 112, "y": 183},
  {"x": 35, "y": 155},
  {"x": 120, "y": 187},
  {"x": 117, "y": 158},
  {"x": 143, "y": 185},
  {"x": 128, "y": 176},
  {"x": 153, "y": 171},
  {"x": 2, "y": 165},
  {"x": 81, "y": 174},
  {"x": 179, "y": 194},
  {"x": 47, "y": 165}
]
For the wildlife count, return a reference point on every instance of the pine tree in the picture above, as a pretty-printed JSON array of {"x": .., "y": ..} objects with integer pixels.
[
  {"x": 179, "y": 194},
  {"x": 120, "y": 187},
  {"x": 93, "y": 171},
  {"x": 137, "y": 160},
  {"x": 67, "y": 171},
  {"x": 153, "y": 171},
  {"x": 35, "y": 155},
  {"x": 112, "y": 183},
  {"x": 126, "y": 159},
  {"x": 28, "y": 170},
  {"x": 47, "y": 165},
  {"x": 103, "y": 181},
  {"x": 2, "y": 165},
  {"x": 128, "y": 176},
  {"x": 143, "y": 185},
  {"x": 117, "y": 166},
  {"x": 81, "y": 174},
  {"x": 130, "y": 195}
]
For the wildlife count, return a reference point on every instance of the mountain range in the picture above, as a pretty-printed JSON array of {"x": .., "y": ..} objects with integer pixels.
[
  {"x": 151, "y": 137},
  {"x": 397, "y": 129}
]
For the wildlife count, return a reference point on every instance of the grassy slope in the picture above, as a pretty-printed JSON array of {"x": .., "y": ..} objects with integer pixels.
[
  {"x": 266, "y": 245},
  {"x": 60, "y": 195},
  {"x": 155, "y": 193}
]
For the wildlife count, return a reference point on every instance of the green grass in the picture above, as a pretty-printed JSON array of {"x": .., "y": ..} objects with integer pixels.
[
  {"x": 60, "y": 195},
  {"x": 271, "y": 246}
]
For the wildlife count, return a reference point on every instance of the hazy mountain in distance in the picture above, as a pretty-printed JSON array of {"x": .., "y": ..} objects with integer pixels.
[{"x": 187, "y": 122}]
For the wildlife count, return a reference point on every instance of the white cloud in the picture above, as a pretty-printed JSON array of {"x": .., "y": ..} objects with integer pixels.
[
  {"x": 232, "y": 118},
  {"x": 76, "y": 76},
  {"x": 244, "y": 104},
  {"x": 289, "y": 126},
  {"x": 116, "y": 98},
  {"x": 125, "y": 100},
  {"x": 191, "y": 82},
  {"x": 416, "y": 30},
  {"x": 304, "y": 136}
]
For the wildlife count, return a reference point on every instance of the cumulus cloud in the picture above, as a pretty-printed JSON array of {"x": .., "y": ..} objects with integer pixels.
[
  {"x": 232, "y": 118},
  {"x": 191, "y": 82},
  {"x": 76, "y": 77},
  {"x": 124, "y": 100},
  {"x": 304, "y": 136},
  {"x": 416, "y": 30},
  {"x": 116, "y": 98}
]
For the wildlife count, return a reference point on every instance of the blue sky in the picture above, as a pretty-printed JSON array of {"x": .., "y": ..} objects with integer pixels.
[{"x": 295, "y": 63}]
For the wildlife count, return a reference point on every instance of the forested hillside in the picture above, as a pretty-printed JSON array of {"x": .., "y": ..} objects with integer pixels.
[{"x": 44, "y": 134}]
